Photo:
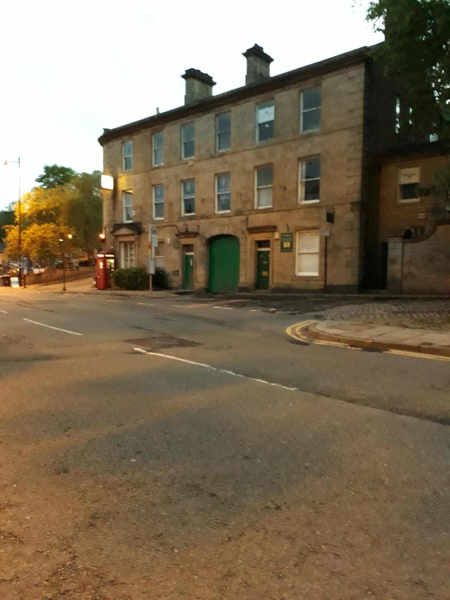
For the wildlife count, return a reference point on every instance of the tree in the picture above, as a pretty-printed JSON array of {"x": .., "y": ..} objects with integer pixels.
[
  {"x": 54, "y": 176},
  {"x": 6, "y": 218},
  {"x": 85, "y": 213},
  {"x": 440, "y": 190},
  {"x": 417, "y": 50}
]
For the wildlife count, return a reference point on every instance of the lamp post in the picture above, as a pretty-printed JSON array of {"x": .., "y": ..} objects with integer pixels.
[
  {"x": 5, "y": 164},
  {"x": 63, "y": 256}
]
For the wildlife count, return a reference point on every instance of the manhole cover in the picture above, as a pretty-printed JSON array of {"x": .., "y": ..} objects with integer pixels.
[{"x": 159, "y": 341}]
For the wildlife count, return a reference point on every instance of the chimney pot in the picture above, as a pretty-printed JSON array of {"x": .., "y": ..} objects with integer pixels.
[
  {"x": 199, "y": 85},
  {"x": 258, "y": 65}
]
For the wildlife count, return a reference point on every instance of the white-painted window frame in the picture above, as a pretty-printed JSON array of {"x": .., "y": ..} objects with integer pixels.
[
  {"x": 302, "y": 179},
  {"x": 400, "y": 200},
  {"x": 258, "y": 107},
  {"x": 302, "y": 111},
  {"x": 154, "y": 149},
  {"x": 183, "y": 214},
  {"x": 263, "y": 186},
  {"x": 221, "y": 212},
  {"x": 316, "y": 233},
  {"x": 125, "y": 194},
  {"x": 127, "y": 155},
  {"x": 158, "y": 185}
]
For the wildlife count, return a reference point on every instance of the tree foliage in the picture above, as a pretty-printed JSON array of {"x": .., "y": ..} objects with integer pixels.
[
  {"x": 6, "y": 218},
  {"x": 54, "y": 176},
  {"x": 55, "y": 210},
  {"x": 417, "y": 50}
]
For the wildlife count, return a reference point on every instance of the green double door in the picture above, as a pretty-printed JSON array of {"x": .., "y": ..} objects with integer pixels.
[{"x": 224, "y": 264}]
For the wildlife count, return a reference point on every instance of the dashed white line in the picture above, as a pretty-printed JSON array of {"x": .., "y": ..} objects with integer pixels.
[
  {"x": 219, "y": 370},
  {"x": 4, "y": 312},
  {"x": 51, "y": 327},
  {"x": 224, "y": 307},
  {"x": 145, "y": 304},
  {"x": 115, "y": 301}
]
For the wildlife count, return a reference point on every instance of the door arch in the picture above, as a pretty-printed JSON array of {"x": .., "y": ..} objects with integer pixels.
[{"x": 224, "y": 256}]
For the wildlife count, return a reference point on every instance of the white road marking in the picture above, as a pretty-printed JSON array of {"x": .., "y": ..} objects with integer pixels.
[
  {"x": 219, "y": 370},
  {"x": 255, "y": 310},
  {"x": 145, "y": 304},
  {"x": 4, "y": 312},
  {"x": 115, "y": 301},
  {"x": 50, "y": 327},
  {"x": 224, "y": 307}
]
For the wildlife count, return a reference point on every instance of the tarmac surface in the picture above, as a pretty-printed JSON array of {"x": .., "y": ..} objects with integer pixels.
[{"x": 177, "y": 447}]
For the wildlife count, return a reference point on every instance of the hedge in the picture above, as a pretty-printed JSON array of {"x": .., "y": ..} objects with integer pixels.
[{"x": 131, "y": 279}]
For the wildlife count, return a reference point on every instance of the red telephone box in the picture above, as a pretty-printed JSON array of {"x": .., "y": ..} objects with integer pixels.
[{"x": 104, "y": 267}]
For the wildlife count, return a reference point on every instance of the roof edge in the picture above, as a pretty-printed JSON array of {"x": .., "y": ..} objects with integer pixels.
[{"x": 247, "y": 91}]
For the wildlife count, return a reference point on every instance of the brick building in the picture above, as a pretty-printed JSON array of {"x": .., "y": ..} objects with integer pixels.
[{"x": 268, "y": 186}]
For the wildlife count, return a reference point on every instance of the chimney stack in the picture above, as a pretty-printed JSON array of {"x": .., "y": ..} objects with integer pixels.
[
  {"x": 199, "y": 85},
  {"x": 258, "y": 65}
]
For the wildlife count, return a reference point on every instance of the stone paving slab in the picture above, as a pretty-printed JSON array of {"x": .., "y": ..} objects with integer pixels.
[{"x": 383, "y": 338}]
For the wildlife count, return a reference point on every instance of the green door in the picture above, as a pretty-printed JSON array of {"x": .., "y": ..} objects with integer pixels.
[
  {"x": 262, "y": 269},
  {"x": 188, "y": 271},
  {"x": 224, "y": 264}
]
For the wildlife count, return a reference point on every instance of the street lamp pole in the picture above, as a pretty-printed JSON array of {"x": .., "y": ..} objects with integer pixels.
[
  {"x": 63, "y": 256},
  {"x": 17, "y": 162}
]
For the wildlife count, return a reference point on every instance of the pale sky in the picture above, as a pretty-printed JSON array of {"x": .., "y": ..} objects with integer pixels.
[{"x": 71, "y": 67}]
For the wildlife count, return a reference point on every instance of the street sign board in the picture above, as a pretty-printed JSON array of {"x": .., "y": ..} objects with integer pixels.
[
  {"x": 154, "y": 240},
  {"x": 15, "y": 282}
]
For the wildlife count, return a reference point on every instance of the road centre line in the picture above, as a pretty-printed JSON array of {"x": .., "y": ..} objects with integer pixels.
[
  {"x": 219, "y": 370},
  {"x": 51, "y": 327},
  {"x": 4, "y": 312},
  {"x": 145, "y": 304},
  {"x": 224, "y": 307}
]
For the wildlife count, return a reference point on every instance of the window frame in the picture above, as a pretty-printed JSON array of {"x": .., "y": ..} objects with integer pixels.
[
  {"x": 221, "y": 212},
  {"x": 183, "y": 142},
  {"x": 401, "y": 200},
  {"x": 127, "y": 156},
  {"x": 183, "y": 181},
  {"x": 302, "y": 110},
  {"x": 228, "y": 112},
  {"x": 154, "y": 163},
  {"x": 124, "y": 206},
  {"x": 263, "y": 187},
  {"x": 297, "y": 253},
  {"x": 257, "y": 106},
  {"x": 301, "y": 180},
  {"x": 157, "y": 185},
  {"x": 124, "y": 245}
]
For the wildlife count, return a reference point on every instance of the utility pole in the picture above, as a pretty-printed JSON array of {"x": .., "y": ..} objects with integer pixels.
[{"x": 17, "y": 162}]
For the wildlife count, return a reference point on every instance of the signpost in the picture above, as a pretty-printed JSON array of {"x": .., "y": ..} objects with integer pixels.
[{"x": 152, "y": 244}]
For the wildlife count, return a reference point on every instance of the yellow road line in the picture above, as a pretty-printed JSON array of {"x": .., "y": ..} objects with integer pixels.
[
  {"x": 295, "y": 331},
  {"x": 419, "y": 355}
]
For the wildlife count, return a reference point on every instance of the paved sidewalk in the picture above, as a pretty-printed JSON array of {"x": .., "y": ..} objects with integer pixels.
[{"x": 383, "y": 337}]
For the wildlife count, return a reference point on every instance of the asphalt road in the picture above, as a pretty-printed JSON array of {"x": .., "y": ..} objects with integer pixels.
[{"x": 166, "y": 449}]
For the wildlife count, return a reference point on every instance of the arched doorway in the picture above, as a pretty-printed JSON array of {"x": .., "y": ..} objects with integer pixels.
[{"x": 224, "y": 254}]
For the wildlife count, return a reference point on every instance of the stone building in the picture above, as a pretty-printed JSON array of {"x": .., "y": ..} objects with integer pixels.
[
  {"x": 414, "y": 222},
  {"x": 268, "y": 186}
]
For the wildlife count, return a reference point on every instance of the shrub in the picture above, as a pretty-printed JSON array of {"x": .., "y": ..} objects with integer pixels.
[
  {"x": 160, "y": 279},
  {"x": 131, "y": 279}
]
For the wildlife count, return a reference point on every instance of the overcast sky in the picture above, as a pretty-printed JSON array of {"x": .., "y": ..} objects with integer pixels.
[{"x": 71, "y": 67}]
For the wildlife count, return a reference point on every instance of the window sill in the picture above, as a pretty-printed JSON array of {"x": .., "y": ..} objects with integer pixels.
[
  {"x": 158, "y": 218},
  {"x": 314, "y": 276},
  {"x": 188, "y": 157},
  {"x": 223, "y": 212},
  {"x": 306, "y": 202},
  {"x": 157, "y": 166},
  {"x": 189, "y": 215},
  {"x": 263, "y": 207},
  {"x": 409, "y": 201},
  {"x": 310, "y": 131}
]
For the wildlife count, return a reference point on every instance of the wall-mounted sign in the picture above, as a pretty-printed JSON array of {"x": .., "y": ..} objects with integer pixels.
[
  {"x": 107, "y": 182},
  {"x": 287, "y": 242}
]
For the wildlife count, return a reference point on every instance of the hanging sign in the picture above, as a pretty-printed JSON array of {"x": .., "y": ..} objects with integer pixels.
[{"x": 287, "y": 242}]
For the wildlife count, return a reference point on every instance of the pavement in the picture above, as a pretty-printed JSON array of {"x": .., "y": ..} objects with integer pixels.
[{"x": 177, "y": 447}]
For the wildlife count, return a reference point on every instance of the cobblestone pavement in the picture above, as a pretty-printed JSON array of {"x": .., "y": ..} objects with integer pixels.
[{"x": 423, "y": 314}]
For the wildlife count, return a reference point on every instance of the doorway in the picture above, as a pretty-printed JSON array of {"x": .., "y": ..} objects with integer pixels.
[
  {"x": 224, "y": 264},
  {"x": 188, "y": 267},
  {"x": 263, "y": 265}
]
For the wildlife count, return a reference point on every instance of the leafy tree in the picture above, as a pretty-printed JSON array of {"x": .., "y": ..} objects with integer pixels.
[
  {"x": 6, "y": 218},
  {"x": 54, "y": 176},
  {"x": 440, "y": 190},
  {"x": 85, "y": 212},
  {"x": 417, "y": 50}
]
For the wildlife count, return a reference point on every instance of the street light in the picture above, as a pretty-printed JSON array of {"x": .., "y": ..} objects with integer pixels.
[
  {"x": 61, "y": 242},
  {"x": 5, "y": 164}
]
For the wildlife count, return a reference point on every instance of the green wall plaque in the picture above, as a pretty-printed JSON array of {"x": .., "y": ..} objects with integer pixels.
[{"x": 287, "y": 242}]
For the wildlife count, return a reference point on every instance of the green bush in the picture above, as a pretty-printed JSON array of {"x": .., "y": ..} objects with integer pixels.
[
  {"x": 160, "y": 279},
  {"x": 131, "y": 279}
]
